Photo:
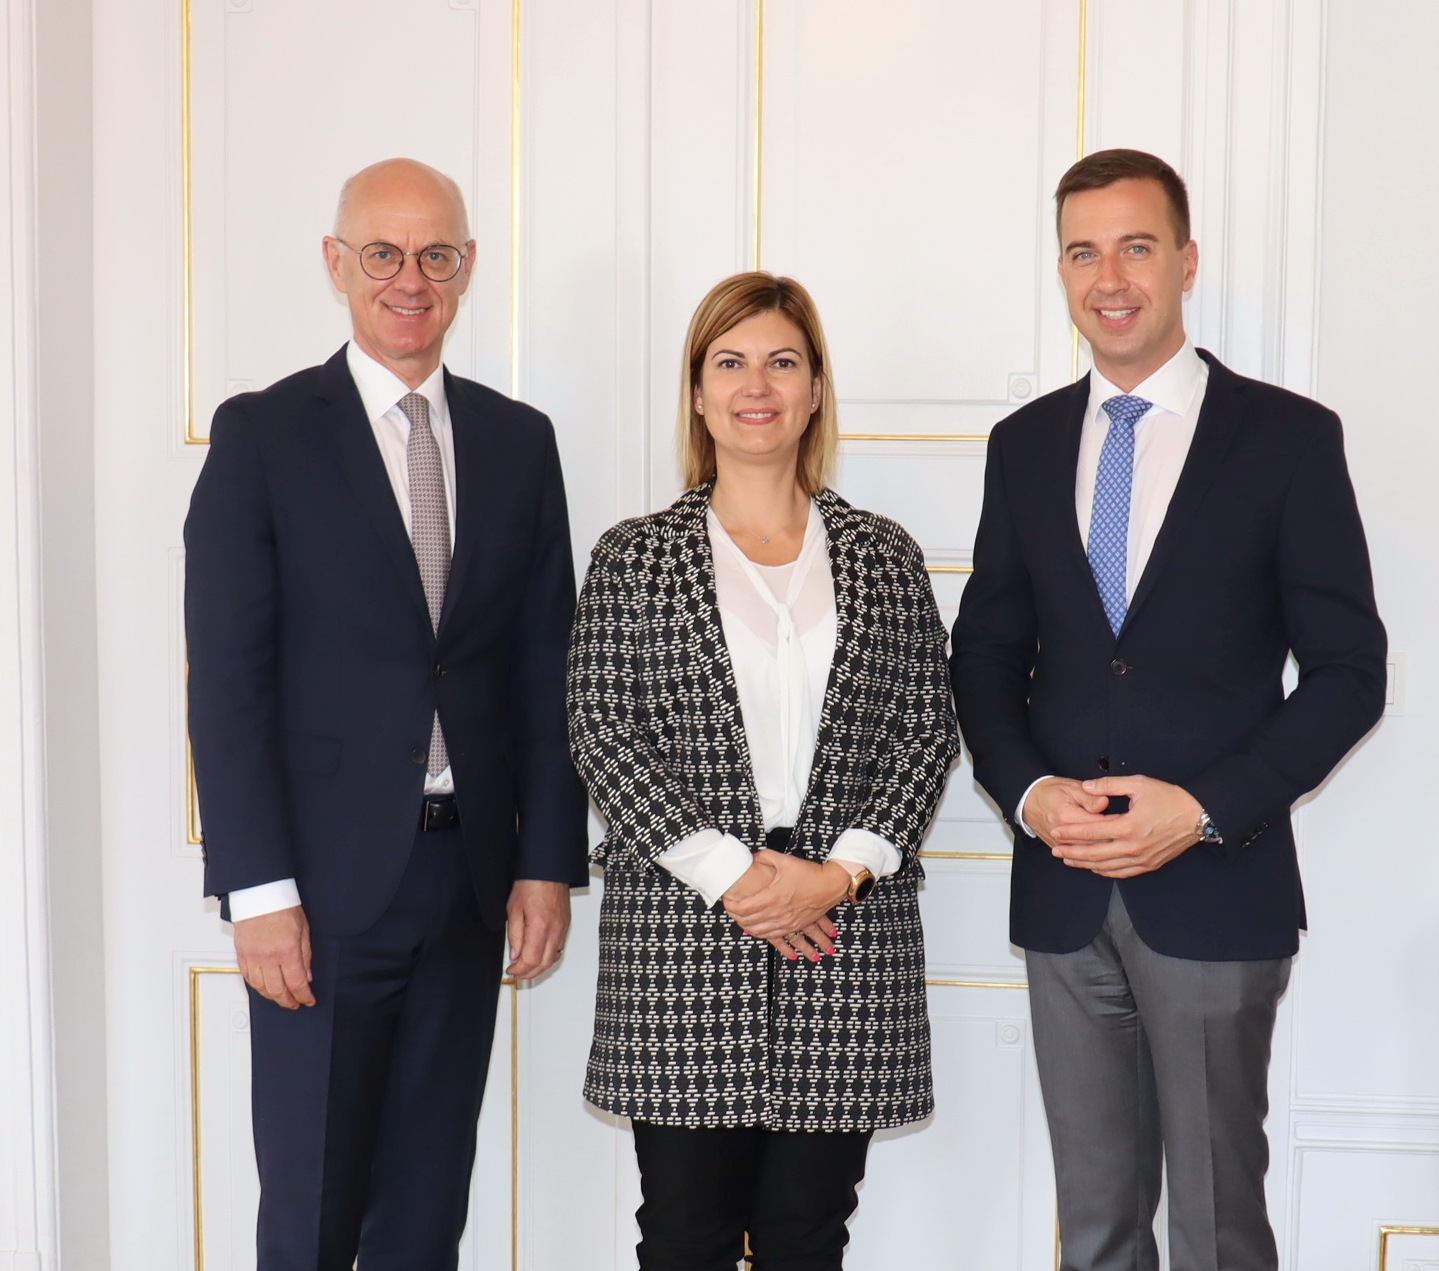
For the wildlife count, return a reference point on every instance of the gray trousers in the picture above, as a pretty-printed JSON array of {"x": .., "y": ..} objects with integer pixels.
[{"x": 1147, "y": 1060}]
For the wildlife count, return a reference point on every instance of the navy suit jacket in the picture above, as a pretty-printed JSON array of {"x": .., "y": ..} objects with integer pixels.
[
  {"x": 1261, "y": 552},
  {"x": 314, "y": 673}
]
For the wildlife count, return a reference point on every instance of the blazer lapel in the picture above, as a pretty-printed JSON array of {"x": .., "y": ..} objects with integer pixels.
[
  {"x": 1064, "y": 456},
  {"x": 853, "y": 570},
  {"x": 690, "y": 555},
  {"x": 353, "y": 442},
  {"x": 1219, "y": 419},
  {"x": 478, "y": 473},
  {"x": 1056, "y": 464}
]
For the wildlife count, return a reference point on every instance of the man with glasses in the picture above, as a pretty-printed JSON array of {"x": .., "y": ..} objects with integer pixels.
[{"x": 379, "y": 590}]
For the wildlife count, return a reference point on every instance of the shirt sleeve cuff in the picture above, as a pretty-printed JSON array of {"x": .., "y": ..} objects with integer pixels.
[
  {"x": 709, "y": 861},
  {"x": 864, "y": 847},
  {"x": 1023, "y": 799},
  {"x": 266, "y": 898}
]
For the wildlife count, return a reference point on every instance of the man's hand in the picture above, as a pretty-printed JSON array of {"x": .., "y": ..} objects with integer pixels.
[
  {"x": 274, "y": 955},
  {"x": 1162, "y": 822},
  {"x": 800, "y": 895},
  {"x": 539, "y": 918},
  {"x": 1061, "y": 801}
]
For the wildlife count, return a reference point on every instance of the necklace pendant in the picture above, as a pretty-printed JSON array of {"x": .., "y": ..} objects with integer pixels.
[{"x": 764, "y": 538}]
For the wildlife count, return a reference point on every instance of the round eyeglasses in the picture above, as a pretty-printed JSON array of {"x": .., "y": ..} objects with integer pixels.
[{"x": 439, "y": 262}]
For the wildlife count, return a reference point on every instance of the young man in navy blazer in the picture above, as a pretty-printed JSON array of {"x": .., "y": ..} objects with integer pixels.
[
  {"x": 379, "y": 591},
  {"x": 1155, "y": 541}
]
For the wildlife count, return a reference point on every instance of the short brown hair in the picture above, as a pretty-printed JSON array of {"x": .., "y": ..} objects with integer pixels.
[
  {"x": 1105, "y": 167},
  {"x": 728, "y": 304}
]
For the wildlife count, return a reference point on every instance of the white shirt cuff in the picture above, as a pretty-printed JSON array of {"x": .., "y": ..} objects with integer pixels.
[
  {"x": 267, "y": 898},
  {"x": 1023, "y": 799},
  {"x": 708, "y": 861},
  {"x": 864, "y": 847}
]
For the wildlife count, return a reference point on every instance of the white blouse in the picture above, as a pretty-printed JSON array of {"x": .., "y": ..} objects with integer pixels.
[{"x": 779, "y": 625}]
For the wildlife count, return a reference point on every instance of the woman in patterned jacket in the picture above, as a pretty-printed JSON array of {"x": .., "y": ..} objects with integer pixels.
[{"x": 759, "y": 705}]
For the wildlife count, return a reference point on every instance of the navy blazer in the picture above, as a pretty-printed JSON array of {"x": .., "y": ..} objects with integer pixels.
[
  {"x": 314, "y": 673},
  {"x": 1261, "y": 553}
]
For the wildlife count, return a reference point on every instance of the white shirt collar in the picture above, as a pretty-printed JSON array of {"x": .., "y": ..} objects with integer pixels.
[
  {"x": 1171, "y": 388},
  {"x": 381, "y": 389}
]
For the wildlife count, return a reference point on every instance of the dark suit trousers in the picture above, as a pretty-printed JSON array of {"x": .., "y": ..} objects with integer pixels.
[
  {"x": 1145, "y": 1058},
  {"x": 365, "y": 1105}
]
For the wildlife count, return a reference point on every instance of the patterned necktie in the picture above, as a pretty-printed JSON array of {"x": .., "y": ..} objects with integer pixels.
[
  {"x": 429, "y": 531},
  {"x": 1109, "y": 522}
]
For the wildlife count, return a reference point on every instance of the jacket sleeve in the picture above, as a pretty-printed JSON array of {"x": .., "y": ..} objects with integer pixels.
[
  {"x": 551, "y": 804},
  {"x": 231, "y": 633},
  {"x": 647, "y": 804},
  {"x": 923, "y": 739},
  {"x": 994, "y": 649},
  {"x": 1326, "y": 596}
]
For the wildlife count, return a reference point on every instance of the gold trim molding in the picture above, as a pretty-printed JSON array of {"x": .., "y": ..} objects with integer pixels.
[
  {"x": 1388, "y": 1230},
  {"x": 978, "y": 984},
  {"x": 196, "y": 1134},
  {"x": 916, "y": 436},
  {"x": 1081, "y": 127}
]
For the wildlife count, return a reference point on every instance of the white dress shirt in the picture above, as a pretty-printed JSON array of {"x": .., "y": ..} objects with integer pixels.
[
  {"x": 780, "y": 625},
  {"x": 380, "y": 393},
  {"x": 1161, "y": 444}
]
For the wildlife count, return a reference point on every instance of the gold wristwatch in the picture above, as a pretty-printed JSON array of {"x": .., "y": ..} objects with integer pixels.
[{"x": 860, "y": 886}]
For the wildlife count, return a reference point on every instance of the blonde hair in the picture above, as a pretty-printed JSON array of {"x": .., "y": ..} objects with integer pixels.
[{"x": 728, "y": 304}]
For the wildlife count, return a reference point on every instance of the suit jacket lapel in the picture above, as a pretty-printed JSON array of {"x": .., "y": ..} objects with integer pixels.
[
  {"x": 1057, "y": 462},
  {"x": 1064, "y": 456},
  {"x": 1219, "y": 419},
  {"x": 477, "y": 493},
  {"x": 353, "y": 442}
]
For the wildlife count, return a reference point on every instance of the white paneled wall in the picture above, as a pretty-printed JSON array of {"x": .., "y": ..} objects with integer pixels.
[{"x": 620, "y": 156}]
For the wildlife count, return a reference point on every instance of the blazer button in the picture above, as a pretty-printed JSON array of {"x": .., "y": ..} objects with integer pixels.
[
  {"x": 439, "y": 670},
  {"x": 419, "y": 756},
  {"x": 1119, "y": 666}
]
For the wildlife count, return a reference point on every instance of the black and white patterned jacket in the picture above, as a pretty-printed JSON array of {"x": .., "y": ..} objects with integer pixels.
[{"x": 697, "y": 1024}]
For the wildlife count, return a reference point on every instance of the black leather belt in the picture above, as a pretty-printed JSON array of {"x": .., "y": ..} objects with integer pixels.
[{"x": 439, "y": 812}]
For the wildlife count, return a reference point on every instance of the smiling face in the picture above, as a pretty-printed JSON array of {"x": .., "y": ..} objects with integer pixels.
[
  {"x": 1125, "y": 277},
  {"x": 401, "y": 321},
  {"x": 757, "y": 390}
]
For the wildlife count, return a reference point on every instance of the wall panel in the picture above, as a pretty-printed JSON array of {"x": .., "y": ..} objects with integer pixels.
[{"x": 274, "y": 126}]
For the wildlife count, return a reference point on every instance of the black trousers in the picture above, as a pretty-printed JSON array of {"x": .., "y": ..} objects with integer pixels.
[
  {"x": 365, "y": 1105},
  {"x": 705, "y": 1189}
]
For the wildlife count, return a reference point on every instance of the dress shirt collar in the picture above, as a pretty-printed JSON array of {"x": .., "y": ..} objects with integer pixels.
[
  {"x": 381, "y": 389},
  {"x": 1171, "y": 388}
]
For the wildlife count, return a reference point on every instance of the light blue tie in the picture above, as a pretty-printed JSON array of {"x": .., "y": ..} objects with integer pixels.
[{"x": 1109, "y": 522}]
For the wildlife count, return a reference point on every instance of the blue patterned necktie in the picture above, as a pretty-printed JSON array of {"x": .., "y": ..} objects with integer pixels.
[{"x": 1109, "y": 522}]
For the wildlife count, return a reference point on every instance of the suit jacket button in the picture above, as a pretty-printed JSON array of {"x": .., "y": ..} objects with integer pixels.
[
  {"x": 419, "y": 756},
  {"x": 1119, "y": 666},
  {"x": 439, "y": 670}
]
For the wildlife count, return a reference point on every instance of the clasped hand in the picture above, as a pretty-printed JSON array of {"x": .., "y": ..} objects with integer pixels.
[
  {"x": 1162, "y": 822},
  {"x": 786, "y": 900}
]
